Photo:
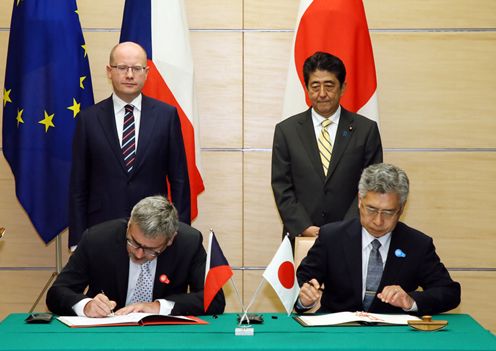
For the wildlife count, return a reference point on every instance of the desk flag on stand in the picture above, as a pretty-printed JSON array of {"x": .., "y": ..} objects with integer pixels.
[
  {"x": 281, "y": 274},
  {"x": 338, "y": 27},
  {"x": 161, "y": 28},
  {"x": 47, "y": 83},
  {"x": 217, "y": 271}
]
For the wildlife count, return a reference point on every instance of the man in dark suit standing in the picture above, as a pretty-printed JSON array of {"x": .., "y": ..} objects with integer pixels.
[
  {"x": 316, "y": 164},
  {"x": 376, "y": 263},
  {"x": 151, "y": 263},
  {"x": 125, "y": 148}
]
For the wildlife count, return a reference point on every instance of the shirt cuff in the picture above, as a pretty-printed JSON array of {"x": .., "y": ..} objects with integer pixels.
[
  {"x": 166, "y": 306},
  {"x": 414, "y": 308},
  {"x": 300, "y": 306},
  {"x": 78, "y": 308}
]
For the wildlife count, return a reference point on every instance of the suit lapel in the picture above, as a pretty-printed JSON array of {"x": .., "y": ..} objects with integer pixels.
[
  {"x": 343, "y": 137},
  {"x": 164, "y": 273},
  {"x": 352, "y": 247},
  {"x": 394, "y": 261},
  {"x": 147, "y": 126},
  {"x": 122, "y": 267},
  {"x": 106, "y": 118},
  {"x": 307, "y": 137}
]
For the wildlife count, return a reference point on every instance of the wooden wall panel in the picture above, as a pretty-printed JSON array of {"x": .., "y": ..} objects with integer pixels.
[
  {"x": 392, "y": 14},
  {"x": 478, "y": 291},
  {"x": 5, "y": 13},
  {"x": 22, "y": 290},
  {"x": 214, "y": 14},
  {"x": 452, "y": 200},
  {"x": 436, "y": 89},
  {"x": 262, "y": 225},
  {"x": 100, "y": 14},
  {"x": 218, "y": 73},
  {"x": 274, "y": 14},
  {"x": 266, "y": 67},
  {"x": 221, "y": 203}
]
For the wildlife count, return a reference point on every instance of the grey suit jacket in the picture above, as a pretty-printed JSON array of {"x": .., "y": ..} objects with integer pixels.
[
  {"x": 304, "y": 195},
  {"x": 336, "y": 261},
  {"x": 101, "y": 263}
]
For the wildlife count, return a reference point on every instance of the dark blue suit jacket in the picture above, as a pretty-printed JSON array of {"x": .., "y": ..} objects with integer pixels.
[
  {"x": 101, "y": 263},
  {"x": 101, "y": 189},
  {"x": 336, "y": 261}
]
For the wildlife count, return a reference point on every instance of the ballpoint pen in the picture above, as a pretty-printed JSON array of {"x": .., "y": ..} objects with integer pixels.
[{"x": 111, "y": 310}]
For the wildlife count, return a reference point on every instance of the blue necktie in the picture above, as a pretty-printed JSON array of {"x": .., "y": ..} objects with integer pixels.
[{"x": 374, "y": 274}]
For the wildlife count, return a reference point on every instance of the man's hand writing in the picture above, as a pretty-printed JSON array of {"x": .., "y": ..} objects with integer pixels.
[
  {"x": 310, "y": 293},
  {"x": 99, "y": 306}
]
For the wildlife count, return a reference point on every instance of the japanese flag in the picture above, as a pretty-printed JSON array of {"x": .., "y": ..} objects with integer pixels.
[
  {"x": 338, "y": 27},
  {"x": 281, "y": 274}
]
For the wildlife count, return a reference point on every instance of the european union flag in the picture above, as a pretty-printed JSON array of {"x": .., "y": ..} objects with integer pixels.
[{"x": 47, "y": 83}]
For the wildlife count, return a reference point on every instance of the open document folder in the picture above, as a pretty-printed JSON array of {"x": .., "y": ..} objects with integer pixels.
[
  {"x": 128, "y": 319},
  {"x": 354, "y": 318}
]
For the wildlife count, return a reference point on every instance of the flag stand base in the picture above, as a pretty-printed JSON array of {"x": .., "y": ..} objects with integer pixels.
[
  {"x": 58, "y": 269},
  {"x": 244, "y": 331}
]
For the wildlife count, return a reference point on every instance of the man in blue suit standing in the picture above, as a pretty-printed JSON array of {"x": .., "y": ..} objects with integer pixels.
[{"x": 125, "y": 148}]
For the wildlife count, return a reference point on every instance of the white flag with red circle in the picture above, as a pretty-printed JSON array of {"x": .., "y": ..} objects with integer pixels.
[
  {"x": 281, "y": 274},
  {"x": 338, "y": 27}
]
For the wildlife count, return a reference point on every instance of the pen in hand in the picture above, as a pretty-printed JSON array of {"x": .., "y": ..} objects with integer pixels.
[
  {"x": 320, "y": 288},
  {"x": 111, "y": 310}
]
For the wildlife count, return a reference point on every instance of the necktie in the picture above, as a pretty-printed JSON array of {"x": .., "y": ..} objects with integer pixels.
[
  {"x": 129, "y": 138},
  {"x": 325, "y": 146},
  {"x": 374, "y": 274},
  {"x": 144, "y": 285}
]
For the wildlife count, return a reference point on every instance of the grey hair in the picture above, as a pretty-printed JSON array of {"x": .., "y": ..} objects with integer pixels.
[
  {"x": 384, "y": 178},
  {"x": 156, "y": 217}
]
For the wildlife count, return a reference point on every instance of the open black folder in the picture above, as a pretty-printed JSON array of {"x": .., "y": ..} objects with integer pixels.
[
  {"x": 353, "y": 318},
  {"x": 129, "y": 319}
]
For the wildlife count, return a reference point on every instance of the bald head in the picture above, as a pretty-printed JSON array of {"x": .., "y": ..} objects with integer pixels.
[{"x": 127, "y": 48}]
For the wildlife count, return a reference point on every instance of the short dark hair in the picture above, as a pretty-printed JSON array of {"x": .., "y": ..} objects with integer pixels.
[{"x": 324, "y": 61}]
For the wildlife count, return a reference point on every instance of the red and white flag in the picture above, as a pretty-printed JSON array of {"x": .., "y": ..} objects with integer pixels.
[
  {"x": 338, "y": 27},
  {"x": 281, "y": 274},
  {"x": 161, "y": 28}
]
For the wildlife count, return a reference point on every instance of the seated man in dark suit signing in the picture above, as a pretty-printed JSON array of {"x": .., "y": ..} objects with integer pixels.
[
  {"x": 151, "y": 263},
  {"x": 376, "y": 263}
]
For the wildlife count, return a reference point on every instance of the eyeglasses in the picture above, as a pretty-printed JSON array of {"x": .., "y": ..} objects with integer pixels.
[
  {"x": 372, "y": 212},
  {"x": 123, "y": 69},
  {"x": 146, "y": 251}
]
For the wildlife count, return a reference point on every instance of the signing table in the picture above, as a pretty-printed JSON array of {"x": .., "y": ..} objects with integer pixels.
[{"x": 279, "y": 332}]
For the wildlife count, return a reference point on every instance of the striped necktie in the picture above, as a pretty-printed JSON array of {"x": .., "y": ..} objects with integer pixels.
[
  {"x": 374, "y": 274},
  {"x": 325, "y": 146},
  {"x": 129, "y": 138}
]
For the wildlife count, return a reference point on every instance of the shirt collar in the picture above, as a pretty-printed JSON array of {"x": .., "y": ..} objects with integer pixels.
[
  {"x": 317, "y": 119},
  {"x": 119, "y": 103},
  {"x": 367, "y": 238}
]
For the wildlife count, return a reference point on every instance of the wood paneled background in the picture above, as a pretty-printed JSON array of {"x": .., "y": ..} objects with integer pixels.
[{"x": 436, "y": 66}]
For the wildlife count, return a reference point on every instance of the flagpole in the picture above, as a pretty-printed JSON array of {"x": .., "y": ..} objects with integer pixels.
[
  {"x": 245, "y": 314},
  {"x": 58, "y": 269}
]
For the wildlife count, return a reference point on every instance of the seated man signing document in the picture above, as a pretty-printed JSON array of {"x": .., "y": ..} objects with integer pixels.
[
  {"x": 376, "y": 263},
  {"x": 151, "y": 263}
]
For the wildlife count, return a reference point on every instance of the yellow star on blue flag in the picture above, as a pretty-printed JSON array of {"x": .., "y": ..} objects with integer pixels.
[{"x": 45, "y": 60}]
